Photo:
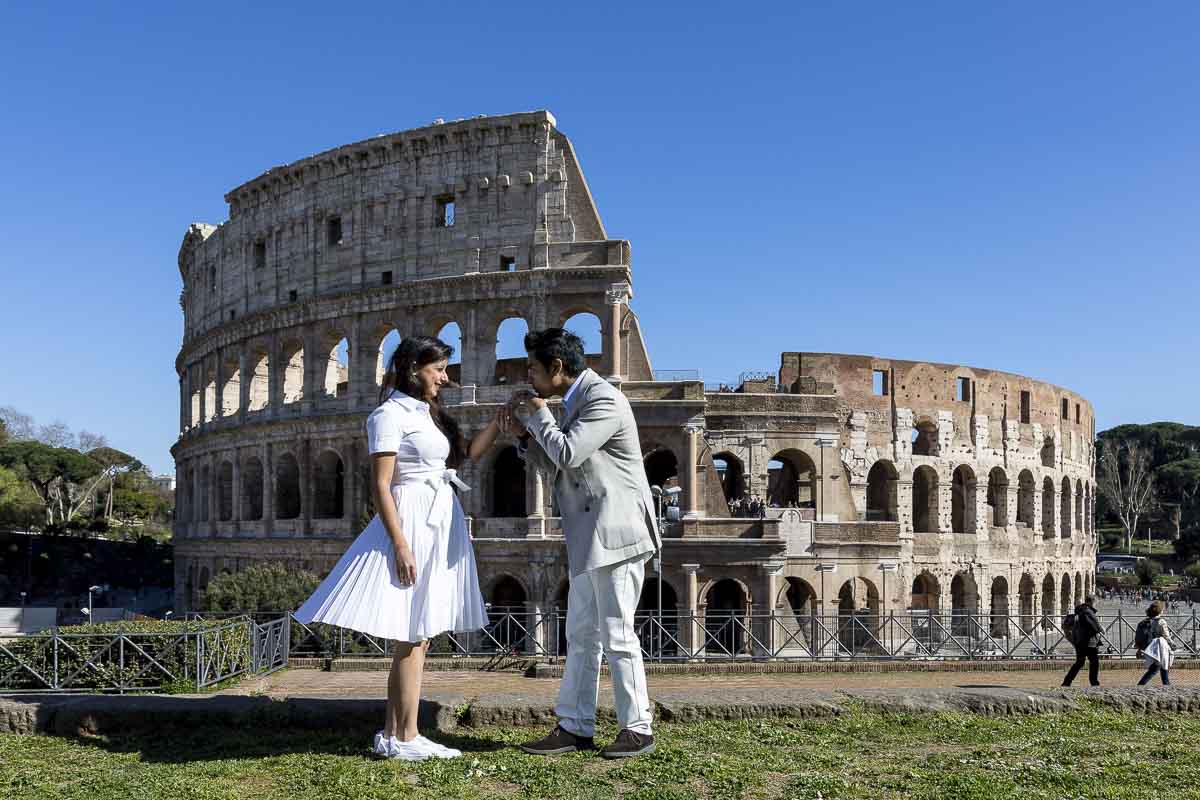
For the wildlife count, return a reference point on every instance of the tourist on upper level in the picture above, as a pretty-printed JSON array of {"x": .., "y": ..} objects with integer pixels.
[{"x": 410, "y": 575}]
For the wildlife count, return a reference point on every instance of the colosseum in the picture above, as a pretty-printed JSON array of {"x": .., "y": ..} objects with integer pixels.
[{"x": 973, "y": 488}]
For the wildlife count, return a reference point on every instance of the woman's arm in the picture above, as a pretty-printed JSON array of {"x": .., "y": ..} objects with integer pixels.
[
  {"x": 484, "y": 440},
  {"x": 382, "y": 466}
]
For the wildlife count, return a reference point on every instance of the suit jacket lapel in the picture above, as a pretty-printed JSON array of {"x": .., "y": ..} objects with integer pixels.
[{"x": 577, "y": 400}]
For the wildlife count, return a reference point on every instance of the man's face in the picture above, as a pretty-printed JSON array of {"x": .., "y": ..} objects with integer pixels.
[{"x": 539, "y": 377}]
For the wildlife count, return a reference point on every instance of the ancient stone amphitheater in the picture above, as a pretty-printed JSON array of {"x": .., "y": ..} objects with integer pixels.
[{"x": 894, "y": 485}]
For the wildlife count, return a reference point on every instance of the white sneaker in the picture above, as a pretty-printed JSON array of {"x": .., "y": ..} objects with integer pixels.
[
  {"x": 380, "y": 747},
  {"x": 407, "y": 751},
  {"x": 438, "y": 750}
]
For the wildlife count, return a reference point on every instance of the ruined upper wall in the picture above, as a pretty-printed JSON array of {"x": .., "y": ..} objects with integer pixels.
[{"x": 374, "y": 213}]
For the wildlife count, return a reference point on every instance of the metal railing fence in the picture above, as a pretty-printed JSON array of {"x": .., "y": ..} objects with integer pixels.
[{"x": 125, "y": 661}]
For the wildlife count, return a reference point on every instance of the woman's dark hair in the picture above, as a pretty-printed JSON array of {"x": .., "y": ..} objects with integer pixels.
[
  {"x": 559, "y": 343},
  {"x": 410, "y": 356},
  {"x": 1154, "y": 610}
]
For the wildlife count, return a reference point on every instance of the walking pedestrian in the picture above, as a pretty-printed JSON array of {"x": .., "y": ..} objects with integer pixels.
[
  {"x": 1153, "y": 641},
  {"x": 1086, "y": 635}
]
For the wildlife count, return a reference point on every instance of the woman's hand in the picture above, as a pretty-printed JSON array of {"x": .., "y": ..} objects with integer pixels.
[
  {"x": 406, "y": 563},
  {"x": 503, "y": 419}
]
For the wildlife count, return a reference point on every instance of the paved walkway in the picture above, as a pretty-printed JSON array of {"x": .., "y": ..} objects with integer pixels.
[{"x": 373, "y": 684}]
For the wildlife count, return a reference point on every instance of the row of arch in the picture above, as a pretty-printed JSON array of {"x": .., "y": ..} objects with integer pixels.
[
  {"x": 925, "y": 442},
  {"x": 204, "y": 485},
  {"x": 215, "y": 389}
]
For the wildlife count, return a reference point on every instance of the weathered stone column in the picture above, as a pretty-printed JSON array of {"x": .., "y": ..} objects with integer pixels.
[
  {"x": 617, "y": 296},
  {"x": 766, "y": 591},
  {"x": 689, "y": 628},
  {"x": 535, "y": 639},
  {"x": 275, "y": 377},
  {"x": 535, "y": 500},
  {"x": 695, "y": 508},
  {"x": 243, "y": 386}
]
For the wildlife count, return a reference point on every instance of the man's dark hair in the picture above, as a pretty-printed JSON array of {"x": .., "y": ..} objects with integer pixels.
[{"x": 559, "y": 343}]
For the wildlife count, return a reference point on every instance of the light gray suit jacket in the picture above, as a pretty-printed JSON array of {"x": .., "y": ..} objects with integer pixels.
[{"x": 595, "y": 460}]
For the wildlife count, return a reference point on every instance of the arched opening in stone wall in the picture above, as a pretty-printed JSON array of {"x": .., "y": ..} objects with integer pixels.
[
  {"x": 293, "y": 373},
  {"x": 1087, "y": 508},
  {"x": 1047, "y": 509},
  {"x": 1048, "y": 455},
  {"x": 800, "y": 598},
  {"x": 337, "y": 370},
  {"x": 925, "y": 438},
  {"x": 997, "y": 497},
  {"x": 925, "y": 594},
  {"x": 252, "y": 489},
  {"x": 1079, "y": 506},
  {"x": 964, "y": 603},
  {"x": 205, "y": 487},
  {"x": 231, "y": 389},
  {"x": 654, "y": 638},
  {"x": 202, "y": 585},
  {"x": 731, "y": 474},
  {"x": 1078, "y": 586},
  {"x": 451, "y": 334},
  {"x": 858, "y": 610},
  {"x": 287, "y": 487},
  {"x": 210, "y": 394},
  {"x": 661, "y": 467},
  {"x": 1065, "y": 511},
  {"x": 1048, "y": 612},
  {"x": 194, "y": 419},
  {"x": 648, "y": 603},
  {"x": 506, "y": 612},
  {"x": 510, "y": 352},
  {"x": 1025, "y": 496},
  {"x": 383, "y": 356},
  {"x": 260, "y": 383},
  {"x": 330, "y": 486},
  {"x": 1027, "y": 589},
  {"x": 925, "y": 500},
  {"x": 999, "y": 606},
  {"x": 962, "y": 500},
  {"x": 508, "y": 484},
  {"x": 882, "y": 483},
  {"x": 587, "y": 326},
  {"x": 791, "y": 480},
  {"x": 225, "y": 492},
  {"x": 1065, "y": 596},
  {"x": 724, "y": 618}
]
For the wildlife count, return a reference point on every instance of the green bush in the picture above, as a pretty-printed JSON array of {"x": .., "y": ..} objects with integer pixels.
[
  {"x": 171, "y": 645},
  {"x": 1147, "y": 571},
  {"x": 260, "y": 587}
]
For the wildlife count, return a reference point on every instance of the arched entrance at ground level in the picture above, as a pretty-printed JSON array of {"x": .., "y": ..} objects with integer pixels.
[
  {"x": 925, "y": 500},
  {"x": 658, "y": 638},
  {"x": 661, "y": 466},
  {"x": 858, "y": 615},
  {"x": 1078, "y": 588},
  {"x": 999, "y": 606},
  {"x": 732, "y": 475},
  {"x": 964, "y": 604},
  {"x": 925, "y": 593},
  {"x": 724, "y": 616},
  {"x": 1026, "y": 590},
  {"x": 797, "y": 617},
  {"x": 1048, "y": 598},
  {"x": 1064, "y": 602},
  {"x": 559, "y": 646},
  {"x": 252, "y": 489},
  {"x": 882, "y": 482},
  {"x": 287, "y": 487},
  {"x": 506, "y": 614},
  {"x": 508, "y": 484},
  {"x": 791, "y": 480}
]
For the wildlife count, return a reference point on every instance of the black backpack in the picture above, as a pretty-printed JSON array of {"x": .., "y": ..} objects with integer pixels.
[
  {"x": 1145, "y": 633},
  {"x": 1068, "y": 627}
]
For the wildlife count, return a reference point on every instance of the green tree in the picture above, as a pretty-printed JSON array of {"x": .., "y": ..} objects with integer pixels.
[
  {"x": 260, "y": 587},
  {"x": 19, "y": 505},
  {"x": 1147, "y": 570}
]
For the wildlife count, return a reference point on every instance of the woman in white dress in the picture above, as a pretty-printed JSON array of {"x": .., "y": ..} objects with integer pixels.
[{"x": 410, "y": 575}]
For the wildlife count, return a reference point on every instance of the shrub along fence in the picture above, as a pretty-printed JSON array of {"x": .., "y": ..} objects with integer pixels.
[{"x": 144, "y": 655}]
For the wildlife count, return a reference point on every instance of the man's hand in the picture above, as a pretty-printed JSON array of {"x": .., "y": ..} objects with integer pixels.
[{"x": 523, "y": 403}]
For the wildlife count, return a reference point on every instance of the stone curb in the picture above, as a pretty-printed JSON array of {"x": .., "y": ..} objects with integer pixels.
[{"x": 66, "y": 715}]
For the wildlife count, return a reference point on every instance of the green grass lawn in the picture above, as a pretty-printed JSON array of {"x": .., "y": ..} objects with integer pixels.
[{"x": 1087, "y": 754}]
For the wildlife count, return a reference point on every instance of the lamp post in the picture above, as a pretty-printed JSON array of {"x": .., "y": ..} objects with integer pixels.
[
  {"x": 658, "y": 567},
  {"x": 822, "y": 443},
  {"x": 91, "y": 607}
]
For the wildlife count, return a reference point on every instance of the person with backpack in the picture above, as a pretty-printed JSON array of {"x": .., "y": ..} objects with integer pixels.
[
  {"x": 1086, "y": 635},
  {"x": 1153, "y": 641}
]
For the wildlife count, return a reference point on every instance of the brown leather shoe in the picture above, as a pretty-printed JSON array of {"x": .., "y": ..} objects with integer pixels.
[
  {"x": 629, "y": 744},
  {"x": 558, "y": 742}
]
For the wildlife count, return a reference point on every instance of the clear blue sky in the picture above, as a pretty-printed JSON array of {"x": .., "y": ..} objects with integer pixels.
[{"x": 1013, "y": 189}]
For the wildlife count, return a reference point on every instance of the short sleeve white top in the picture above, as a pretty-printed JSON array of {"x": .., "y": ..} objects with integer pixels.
[{"x": 403, "y": 425}]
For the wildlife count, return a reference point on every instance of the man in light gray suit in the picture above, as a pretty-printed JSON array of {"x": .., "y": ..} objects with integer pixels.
[{"x": 595, "y": 460}]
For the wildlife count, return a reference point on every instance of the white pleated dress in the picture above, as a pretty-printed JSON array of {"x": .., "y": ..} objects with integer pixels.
[{"x": 363, "y": 592}]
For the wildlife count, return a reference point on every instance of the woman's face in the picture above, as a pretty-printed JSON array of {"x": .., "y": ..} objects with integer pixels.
[{"x": 432, "y": 377}]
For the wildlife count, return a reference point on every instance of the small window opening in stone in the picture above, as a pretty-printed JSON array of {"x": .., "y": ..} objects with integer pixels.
[
  {"x": 260, "y": 255},
  {"x": 508, "y": 264},
  {"x": 1077, "y": 413},
  {"x": 963, "y": 394},
  {"x": 232, "y": 314},
  {"x": 445, "y": 212},
  {"x": 879, "y": 382},
  {"x": 292, "y": 296},
  {"x": 386, "y": 278},
  {"x": 212, "y": 279},
  {"x": 1066, "y": 409},
  {"x": 1025, "y": 408},
  {"x": 334, "y": 229}
]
